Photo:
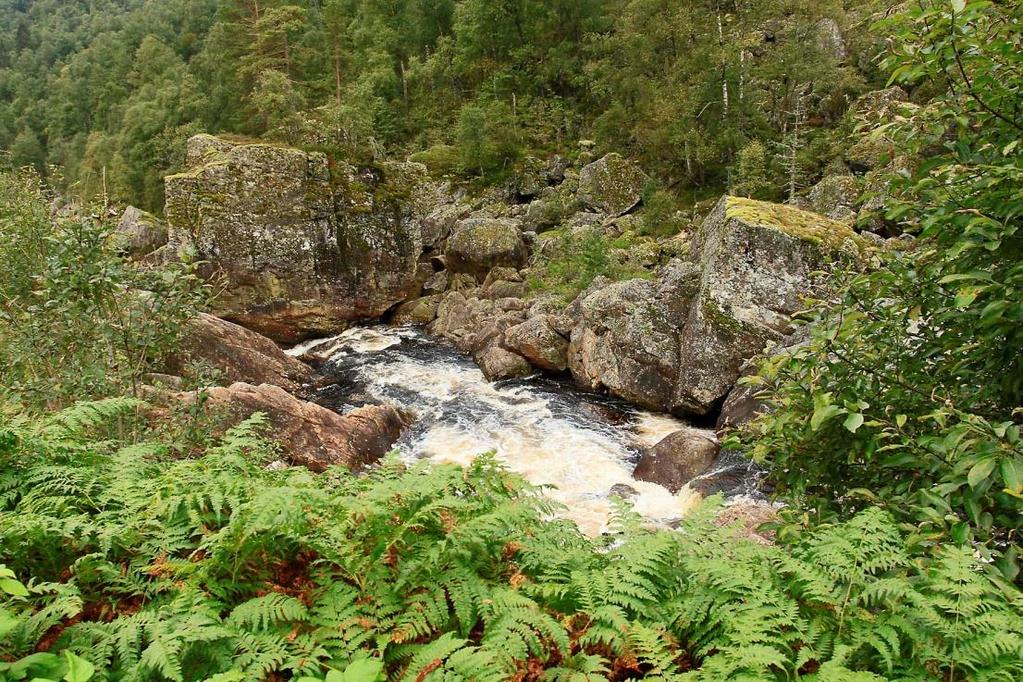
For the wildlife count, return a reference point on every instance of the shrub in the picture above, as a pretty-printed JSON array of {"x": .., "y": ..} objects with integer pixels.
[{"x": 78, "y": 320}]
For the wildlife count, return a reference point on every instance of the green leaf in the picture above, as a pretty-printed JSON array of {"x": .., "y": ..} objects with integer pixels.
[
  {"x": 822, "y": 414},
  {"x": 900, "y": 420},
  {"x": 853, "y": 421},
  {"x": 1012, "y": 474},
  {"x": 335, "y": 676},
  {"x": 8, "y": 622},
  {"x": 980, "y": 471},
  {"x": 78, "y": 669},
  {"x": 364, "y": 670},
  {"x": 13, "y": 587}
]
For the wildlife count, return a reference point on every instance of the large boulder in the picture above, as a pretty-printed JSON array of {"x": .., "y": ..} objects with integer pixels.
[
  {"x": 537, "y": 341},
  {"x": 757, "y": 261},
  {"x": 677, "y": 459},
  {"x": 139, "y": 233},
  {"x": 302, "y": 251},
  {"x": 237, "y": 355},
  {"x": 309, "y": 435},
  {"x": 479, "y": 244},
  {"x": 612, "y": 185},
  {"x": 625, "y": 343}
]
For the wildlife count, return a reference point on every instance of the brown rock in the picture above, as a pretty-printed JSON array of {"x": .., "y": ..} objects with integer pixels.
[
  {"x": 311, "y": 435},
  {"x": 536, "y": 340},
  {"x": 498, "y": 363},
  {"x": 677, "y": 459},
  {"x": 238, "y": 354}
]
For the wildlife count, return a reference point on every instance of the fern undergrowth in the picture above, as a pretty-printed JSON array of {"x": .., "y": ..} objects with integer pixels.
[{"x": 140, "y": 564}]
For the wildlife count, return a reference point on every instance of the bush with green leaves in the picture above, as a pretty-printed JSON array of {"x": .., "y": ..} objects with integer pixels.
[
  {"x": 77, "y": 319},
  {"x": 147, "y": 565},
  {"x": 909, "y": 393}
]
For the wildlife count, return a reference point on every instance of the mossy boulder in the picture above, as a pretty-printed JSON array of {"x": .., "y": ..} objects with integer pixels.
[
  {"x": 302, "y": 250},
  {"x": 757, "y": 261},
  {"x": 480, "y": 244},
  {"x": 612, "y": 185}
]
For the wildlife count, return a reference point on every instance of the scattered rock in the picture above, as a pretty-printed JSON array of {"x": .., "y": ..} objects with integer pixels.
[
  {"x": 420, "y": 311},
  {"x": 624, "y": 343},
  {"x": 498, "y": 363},
  {"x": 611, "y": 185},
  {"x": 238, "y": 354},
  {"x": 677, "y": 459},
  {"x": 835, "y": 197}
]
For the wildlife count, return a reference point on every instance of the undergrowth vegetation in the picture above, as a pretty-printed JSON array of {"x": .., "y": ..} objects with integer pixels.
[{"x": 129, "y": 562}]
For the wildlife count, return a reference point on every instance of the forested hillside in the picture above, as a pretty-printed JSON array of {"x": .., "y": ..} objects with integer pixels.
[
  {"x": 109, "y": 91},
  {"x": 529, "y": 340}
]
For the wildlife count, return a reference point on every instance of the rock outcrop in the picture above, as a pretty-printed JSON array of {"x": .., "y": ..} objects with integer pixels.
[
  {"x": 309, "y": 435},
  {"x": 237, "y": 354},
  {"x": 757, "y": 260},
  {"x": 302, "y": 251}
]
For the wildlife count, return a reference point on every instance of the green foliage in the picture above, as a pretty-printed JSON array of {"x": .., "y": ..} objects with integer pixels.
[
  {"x": 76, "y": 318},
  {"x": 909, "y": 392},
  {"x": 122, "y": 557},
  {"x": 752, "y": 178},
  {"x": 110, "y": 91},
  {"x": 572, "y": 261}
]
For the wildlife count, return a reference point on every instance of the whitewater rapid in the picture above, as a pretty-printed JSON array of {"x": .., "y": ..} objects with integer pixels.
[{"x": 585, "y": 446}]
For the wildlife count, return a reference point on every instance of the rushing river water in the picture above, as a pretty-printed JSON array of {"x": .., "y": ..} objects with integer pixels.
[{"x": 582, "y": 444}]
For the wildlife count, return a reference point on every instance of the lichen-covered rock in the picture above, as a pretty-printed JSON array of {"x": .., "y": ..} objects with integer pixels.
[
  {"x": 479, "y": 244},
  {"x": 677, "y": 459},
  {"x": 625, "y": 343},
  {"x": 530, "y": 177},
  {"x": 537, "y": 341},
  {"x": 237, "y": 354},
  {"x": 300, "y": 254},
  {"x": 835, "y": 197},
  {"x": 309, "y": 435},
  {"x": 139, "y": 233},
  {"x": 612, "y": 185},
  {"x": 879, "y": 106},
  {"x": 439, "y": 223},
  {"x": 757, "y": 260},
  {"x": 828, "y": 36}
]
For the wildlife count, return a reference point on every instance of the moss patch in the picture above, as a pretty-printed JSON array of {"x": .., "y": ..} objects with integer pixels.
[{"x": 802, "y": 225}]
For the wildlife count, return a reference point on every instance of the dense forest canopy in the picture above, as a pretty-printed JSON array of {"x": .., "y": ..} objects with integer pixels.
[{"x": 109, "y": 91}]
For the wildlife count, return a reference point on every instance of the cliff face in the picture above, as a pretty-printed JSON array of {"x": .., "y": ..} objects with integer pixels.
[{"x": 303, "y": 249}]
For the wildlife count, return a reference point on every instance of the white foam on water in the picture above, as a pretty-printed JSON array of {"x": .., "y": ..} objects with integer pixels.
[{"x": 462, "y": 415}]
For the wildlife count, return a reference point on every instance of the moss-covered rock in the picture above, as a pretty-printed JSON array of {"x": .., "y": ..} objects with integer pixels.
[
  {"x": 757, "y": 261},
  {"x": 303, "y": 249},
  {"x": 612, "y": 185},
  {"x": 479, "y": 244}
]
